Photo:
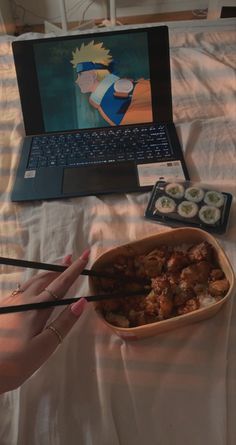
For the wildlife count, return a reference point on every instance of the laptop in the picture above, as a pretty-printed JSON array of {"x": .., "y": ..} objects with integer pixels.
[{"x": 97, "y": 111}]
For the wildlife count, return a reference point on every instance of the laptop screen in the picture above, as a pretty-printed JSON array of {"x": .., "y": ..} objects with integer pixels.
[
  {"x": 97, "y": 82},
  {"x": 94, "y": 80}
]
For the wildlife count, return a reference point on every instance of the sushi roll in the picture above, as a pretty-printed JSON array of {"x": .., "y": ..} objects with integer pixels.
[
  {"x": 194, "y": 194},
  {"x": 187, "y": 209},
  {"x": 174, "y": 190},
  {"x": 165, "y": 204},
  {"x": 209, "y": 214},
  {"x": 213, "y": 198}
]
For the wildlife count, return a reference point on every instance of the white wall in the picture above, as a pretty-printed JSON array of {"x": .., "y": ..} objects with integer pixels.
[{"x": 35, "y": 11}]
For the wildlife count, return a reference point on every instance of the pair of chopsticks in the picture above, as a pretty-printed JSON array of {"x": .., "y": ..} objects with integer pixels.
[
  {"x": 47, "y": 266},
  {"x": 65, "y": 301}
]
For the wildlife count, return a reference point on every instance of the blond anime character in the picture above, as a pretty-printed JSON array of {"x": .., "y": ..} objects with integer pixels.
[{"x": 118, "y": 100}]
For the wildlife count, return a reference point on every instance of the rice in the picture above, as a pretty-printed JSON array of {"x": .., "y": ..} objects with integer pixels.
[{"x": 206, "y": 300}]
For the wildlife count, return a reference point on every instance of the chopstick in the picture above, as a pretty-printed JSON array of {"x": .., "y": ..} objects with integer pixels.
[
  {"x": 51, "y": 267},
  {"x": 45, "y": 266},
  {"x": 59, "y": 268},
  {"x": 64, "y": 302}
]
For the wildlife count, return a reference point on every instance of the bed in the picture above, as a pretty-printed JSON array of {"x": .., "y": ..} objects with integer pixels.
[{"x": 98, "y": 389}]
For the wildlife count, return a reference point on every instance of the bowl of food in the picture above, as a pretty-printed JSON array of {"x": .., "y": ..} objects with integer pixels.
[{"x": 162, "y": 282}]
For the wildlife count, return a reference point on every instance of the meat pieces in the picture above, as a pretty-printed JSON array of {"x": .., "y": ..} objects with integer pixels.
[
  {"x": 124, "y": 265},
  {"x": 159, "y": 306},
  {"x": 152, "y": 264},
  {"x": 151, "y": 304},
  {"x": 216, "y": 274},
  {"x": 166, "y": 305},
  {"x": 159, "y": 284},
  {"x": 177, "y": 261},
  {"x": 179, "y": 281},
  {"x": 184, "y": 292},
  {"x": 219, "y": 288},
  {"x": 196, "y": 273},
  {"x": 190, "y": 306},
  {"x": 201, "y": 252}
]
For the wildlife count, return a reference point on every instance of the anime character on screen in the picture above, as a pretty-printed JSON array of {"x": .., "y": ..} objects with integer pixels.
[{"x": 118, "y": 100}]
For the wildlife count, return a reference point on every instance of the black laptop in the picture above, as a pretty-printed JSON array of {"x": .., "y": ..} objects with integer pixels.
[{"x": 97, "y": 112}]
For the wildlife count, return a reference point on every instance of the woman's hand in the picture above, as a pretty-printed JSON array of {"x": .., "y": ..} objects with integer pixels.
[{"x": 26, "y": 341}]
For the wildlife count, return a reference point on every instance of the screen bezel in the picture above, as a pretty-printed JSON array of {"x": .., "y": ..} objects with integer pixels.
[{"x": 159, "y": 60}]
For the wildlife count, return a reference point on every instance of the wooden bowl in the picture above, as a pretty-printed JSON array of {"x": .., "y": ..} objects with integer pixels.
[{"x": 173, "y": 237}]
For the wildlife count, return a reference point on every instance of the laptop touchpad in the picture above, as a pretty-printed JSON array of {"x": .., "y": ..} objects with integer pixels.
[{"x": 103, "y": 178}]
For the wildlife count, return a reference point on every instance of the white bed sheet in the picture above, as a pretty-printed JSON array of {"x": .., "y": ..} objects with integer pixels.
[{"x": 173, "y": 389}]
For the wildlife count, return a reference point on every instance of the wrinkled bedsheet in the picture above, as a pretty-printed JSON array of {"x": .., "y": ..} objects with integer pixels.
[{"x": 178, "y": 388}]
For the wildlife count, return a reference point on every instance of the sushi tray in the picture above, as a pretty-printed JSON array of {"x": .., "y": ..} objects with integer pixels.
[{"x": 189, "y": 204}]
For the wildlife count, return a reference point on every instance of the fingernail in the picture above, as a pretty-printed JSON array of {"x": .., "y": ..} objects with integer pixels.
[
  {"x": 85, "y": 255},
  {"x": 67, "y": 260},
  {"x": 78, "y": 307}
]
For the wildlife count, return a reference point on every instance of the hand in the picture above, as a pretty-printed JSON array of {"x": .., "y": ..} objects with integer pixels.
[{"x": 25, "y": 341}]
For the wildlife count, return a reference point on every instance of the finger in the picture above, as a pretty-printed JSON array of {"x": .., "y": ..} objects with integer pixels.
[
  {"x": 59, "y": 287},
  {"x": 35, "y": 321},
  {"x": 45, "y": 343},
  {"x": 36, "y": 284},
  {"x": 65, "y": 321}
]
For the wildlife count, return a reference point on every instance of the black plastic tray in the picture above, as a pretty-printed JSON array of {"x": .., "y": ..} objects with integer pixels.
[{"x": 174, "y": 219}]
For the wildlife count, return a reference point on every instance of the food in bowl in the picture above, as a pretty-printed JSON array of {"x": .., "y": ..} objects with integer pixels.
[{"x": 178, "y": 280}]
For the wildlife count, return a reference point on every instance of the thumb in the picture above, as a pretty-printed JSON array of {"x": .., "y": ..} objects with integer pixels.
[{"x": 45, "y": 343}]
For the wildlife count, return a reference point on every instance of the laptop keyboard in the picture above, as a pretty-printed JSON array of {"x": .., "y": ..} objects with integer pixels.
[{"x": 141, "y": 143}]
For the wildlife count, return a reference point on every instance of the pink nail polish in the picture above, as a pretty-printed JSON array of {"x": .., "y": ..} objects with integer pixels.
[
  {"x": 85, "y": 255},
  {"x": 78, "y": 307},
  {"x": 67, "y": 260}
]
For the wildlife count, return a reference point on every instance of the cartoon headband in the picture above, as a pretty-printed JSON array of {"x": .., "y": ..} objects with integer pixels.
[{"x": 87, "y": 66}]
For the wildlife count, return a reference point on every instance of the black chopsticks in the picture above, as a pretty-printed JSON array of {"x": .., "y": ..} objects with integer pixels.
[
  {"x": 47, "y": 266},
  {"x": 59, "y": 268},
  {"x": 64, "y": 302}
]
